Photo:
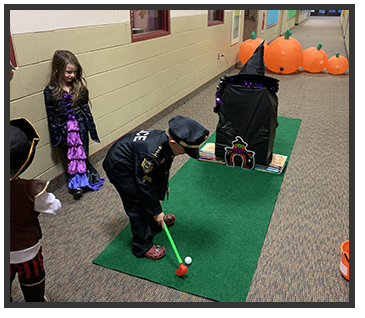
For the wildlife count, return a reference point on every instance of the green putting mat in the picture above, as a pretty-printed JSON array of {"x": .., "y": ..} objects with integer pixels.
[{"x": 222, "y": 215}]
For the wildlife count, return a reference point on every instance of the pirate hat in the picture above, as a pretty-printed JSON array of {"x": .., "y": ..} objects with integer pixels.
[
  {"x": 23, "y": 142},
  {"x": 188, "y": 133}
]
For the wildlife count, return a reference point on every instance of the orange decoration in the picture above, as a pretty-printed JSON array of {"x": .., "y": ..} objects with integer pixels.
[
  {"x": 345, "y": 260},
  {"x": 284, "y": 55},
  {"x": 249, "y": 46},
  {"x": 337, "y": 64},
  {"x": 314, "y": 59}
]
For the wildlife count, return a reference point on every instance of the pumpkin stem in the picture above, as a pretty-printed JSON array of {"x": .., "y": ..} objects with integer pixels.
[
  {"x": 288, "y": 33},
  {"x": 337, "y": 54},
  {"x": 319, "y": 46},
  {"x": 253, "y": 35}
]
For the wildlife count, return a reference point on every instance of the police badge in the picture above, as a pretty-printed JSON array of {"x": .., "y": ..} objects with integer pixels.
[{"x": 147, "y": 166}]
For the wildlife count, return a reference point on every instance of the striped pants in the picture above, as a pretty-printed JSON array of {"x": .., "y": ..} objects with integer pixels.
[{"x": 31, "y": 277}]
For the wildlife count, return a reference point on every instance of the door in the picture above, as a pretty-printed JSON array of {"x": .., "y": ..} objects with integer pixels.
[{"x": 250, "y": 24}]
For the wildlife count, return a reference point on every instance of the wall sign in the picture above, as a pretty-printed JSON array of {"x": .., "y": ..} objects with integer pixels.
[{"x": 263, "y": 20}]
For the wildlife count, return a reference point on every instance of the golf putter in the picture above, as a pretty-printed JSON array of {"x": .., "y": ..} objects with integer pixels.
[{"x": 183, "y": 269}]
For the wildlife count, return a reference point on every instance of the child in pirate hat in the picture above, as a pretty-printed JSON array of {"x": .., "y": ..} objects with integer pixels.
[{"x": 28, "y": 198}]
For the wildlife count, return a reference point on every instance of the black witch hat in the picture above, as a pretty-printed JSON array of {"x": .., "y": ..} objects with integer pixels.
[
  {"x": 255, "y": 64},
  {"x": 23, "y": 142},
  {"x": 252, "y": 75},
  {"x": 254, "y": 69}
]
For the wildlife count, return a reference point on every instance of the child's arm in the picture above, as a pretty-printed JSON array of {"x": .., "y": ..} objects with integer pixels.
[
  {"x": 54, "y": 131},
  {"x": 89, "y": 120},
  {"x": 45, "y": 202}
]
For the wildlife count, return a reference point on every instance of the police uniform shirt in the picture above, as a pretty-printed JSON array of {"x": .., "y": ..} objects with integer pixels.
[{"x": 139, "y": 163}]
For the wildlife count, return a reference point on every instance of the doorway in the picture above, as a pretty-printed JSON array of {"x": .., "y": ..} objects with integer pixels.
[{"x": 250, "y": 24}]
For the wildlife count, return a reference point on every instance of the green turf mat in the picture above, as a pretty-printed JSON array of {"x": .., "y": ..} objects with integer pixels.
[{"x": 222, "y": 215}]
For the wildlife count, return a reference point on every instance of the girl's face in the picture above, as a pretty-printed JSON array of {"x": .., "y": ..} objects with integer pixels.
[{"x": 70, "y": 73}]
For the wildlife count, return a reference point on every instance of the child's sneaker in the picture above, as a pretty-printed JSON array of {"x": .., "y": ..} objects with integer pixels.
[{"x": 169, "y": 219}]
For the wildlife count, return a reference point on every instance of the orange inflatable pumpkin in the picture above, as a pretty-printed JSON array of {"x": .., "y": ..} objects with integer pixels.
[
  {"x": 314, "y": 59},
  {"x": 284, "y": 55},
  {"x": 345, "y": 260},
  {"x": 337, "y": 64},
  {"x": 249, "y": 46}
]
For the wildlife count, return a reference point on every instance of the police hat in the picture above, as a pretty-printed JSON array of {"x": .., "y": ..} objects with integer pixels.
[
  {"x": 23, "y": 142},
  {"x": 188, "y": 133}
]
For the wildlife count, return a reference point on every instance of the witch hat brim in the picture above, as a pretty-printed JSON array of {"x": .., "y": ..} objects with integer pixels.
[
  {"x": 254, "y": 68},
  {"x": 23, "y": 141}
]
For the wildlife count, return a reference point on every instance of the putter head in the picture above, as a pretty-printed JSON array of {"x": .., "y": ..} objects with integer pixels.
[{"x": 182, "y": 270}]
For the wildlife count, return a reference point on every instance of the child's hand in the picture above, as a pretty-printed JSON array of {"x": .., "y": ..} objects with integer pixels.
[{"x": 159, "y": 218}]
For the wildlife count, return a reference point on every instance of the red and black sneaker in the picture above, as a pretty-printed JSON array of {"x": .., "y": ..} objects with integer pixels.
[
  {"x": 169, "y": 219},
  {"x": 155, "y": 252}
]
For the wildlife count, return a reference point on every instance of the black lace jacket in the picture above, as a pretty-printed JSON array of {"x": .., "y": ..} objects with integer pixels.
[{"x": 58, "y": 111}]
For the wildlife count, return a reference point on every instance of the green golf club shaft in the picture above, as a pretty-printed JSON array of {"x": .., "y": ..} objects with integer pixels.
[{"x": 172, "y": 243}]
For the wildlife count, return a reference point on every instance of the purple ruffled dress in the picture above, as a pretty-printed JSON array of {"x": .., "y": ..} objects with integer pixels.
[{"x": 76, "y": 167}]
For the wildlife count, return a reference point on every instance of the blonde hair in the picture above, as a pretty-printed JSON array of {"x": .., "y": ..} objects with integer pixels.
[{"x": 59, "y": 63}]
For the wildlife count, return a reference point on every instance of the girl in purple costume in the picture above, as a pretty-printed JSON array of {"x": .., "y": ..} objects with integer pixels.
[{"x": 70, "y": 121}]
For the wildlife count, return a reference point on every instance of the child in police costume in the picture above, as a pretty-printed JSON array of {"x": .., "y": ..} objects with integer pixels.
[
  {"x": 138, "y": 165},
  {"x": 28, "y": 198}
]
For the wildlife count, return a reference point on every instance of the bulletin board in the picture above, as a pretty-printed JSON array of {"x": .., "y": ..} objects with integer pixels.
[
  {"x": 236, "y": 26},
  {"x": 272, "y": 17},
  {"x": 291, "y": 14}
]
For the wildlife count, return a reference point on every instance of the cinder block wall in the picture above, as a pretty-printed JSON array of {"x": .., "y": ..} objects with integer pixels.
[
  {"x": 129, "y": 82},
  {"x": 344, "y": 20},
  {"x": 301, "y": 17}
]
